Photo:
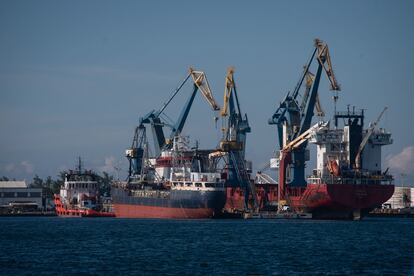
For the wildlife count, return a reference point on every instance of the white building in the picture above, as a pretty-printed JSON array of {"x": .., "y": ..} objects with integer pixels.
[
  {"x": 402, "y": 198},
  {"x": 18, "y": 193}
]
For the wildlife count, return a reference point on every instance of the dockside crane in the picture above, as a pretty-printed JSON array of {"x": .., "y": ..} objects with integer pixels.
[
  {"x": 293, "y": 119},
  {"x": 235, "y": 129},
  {"x": 136, "y": 153},
  {"x": 153, "y": 118}
]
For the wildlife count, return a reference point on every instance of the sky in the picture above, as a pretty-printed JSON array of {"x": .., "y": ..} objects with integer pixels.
[{"x": 75, "y": 76}]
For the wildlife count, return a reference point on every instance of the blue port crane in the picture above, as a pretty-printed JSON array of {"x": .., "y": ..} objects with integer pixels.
[
  {"x": 153, "y": 118},
  {"x": 293, "y": 119},
  {"x": 135, "y": 154},
  {"x": 235, "y": 129}
]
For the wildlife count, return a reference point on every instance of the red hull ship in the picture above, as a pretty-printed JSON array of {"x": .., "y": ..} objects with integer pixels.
[
  {"x": 323, "y": 201},
  {"x": 339, "y": 201},
  {"x": 79, "y": 196},
  {"x": 338, "y": 189},
  {"x": 347, "y": 182}
]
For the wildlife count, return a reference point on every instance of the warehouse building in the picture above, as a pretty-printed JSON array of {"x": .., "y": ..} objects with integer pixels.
[{"x": 17, "y": 196}]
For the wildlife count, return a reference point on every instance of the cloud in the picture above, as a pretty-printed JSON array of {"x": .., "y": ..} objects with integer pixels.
[
  {"x": 109, "y": 166},
  {"x": 27, "y": 166},
  {"x": 63, "y": 168},
  {"x": 402, "y": 162},
  {"x": 10, "y": 167},
  {"x": 24, "y": 167}
]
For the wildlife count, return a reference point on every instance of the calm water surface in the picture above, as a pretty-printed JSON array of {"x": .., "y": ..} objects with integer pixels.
[{"x": 59, "y": 246}]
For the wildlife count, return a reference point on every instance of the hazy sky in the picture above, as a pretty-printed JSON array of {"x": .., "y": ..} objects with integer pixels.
[{"x": 75, "y": 76}]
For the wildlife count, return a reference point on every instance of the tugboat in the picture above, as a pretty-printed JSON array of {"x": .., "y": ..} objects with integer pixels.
[{"x": 79, "y": 195}]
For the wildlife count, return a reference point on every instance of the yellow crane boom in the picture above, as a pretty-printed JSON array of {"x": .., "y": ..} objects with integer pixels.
[
  {"x": 324, "y": 59},
  {"x": 200, "y": 80},
  {"x": 229, "y": 84}
]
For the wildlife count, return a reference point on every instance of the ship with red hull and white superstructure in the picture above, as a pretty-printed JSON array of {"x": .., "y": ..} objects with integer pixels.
[
  {"x": 79, "y": 196},
  {"x": 348, "y": 181},
  {"x": 334, "y": 191}
]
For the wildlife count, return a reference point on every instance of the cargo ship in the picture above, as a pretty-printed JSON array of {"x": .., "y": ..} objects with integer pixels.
[
  {"x": 177, "y": 180},
  {"x": 79, "y": 195},
  {"x": 348, "y": 181},
  {"x": 179, "y": 184}
]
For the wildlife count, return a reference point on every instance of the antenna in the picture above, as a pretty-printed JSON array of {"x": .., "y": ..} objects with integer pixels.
[{"x": 80, "y": 164}]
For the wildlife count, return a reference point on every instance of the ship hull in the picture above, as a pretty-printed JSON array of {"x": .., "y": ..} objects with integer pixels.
[
  {"x": 63, "y": 211},
  {"x": 175, "y": 204},
  {"x": 340, "y": 201},
  {"x": 142, "y": 211},
  {"x": 323, "y": 201}
]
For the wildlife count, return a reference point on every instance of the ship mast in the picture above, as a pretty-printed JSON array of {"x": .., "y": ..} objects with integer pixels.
[{"x": 79, "y": 164}]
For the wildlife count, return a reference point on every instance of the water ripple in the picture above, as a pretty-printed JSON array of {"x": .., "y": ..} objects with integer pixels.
[{"x": 53, "y": 246}]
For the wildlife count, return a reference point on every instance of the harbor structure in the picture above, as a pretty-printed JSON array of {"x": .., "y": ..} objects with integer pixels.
[{"x": 17, "y": 196}]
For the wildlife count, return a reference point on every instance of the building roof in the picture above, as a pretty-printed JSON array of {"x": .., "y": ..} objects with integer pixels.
[{"x": 13, "y": 184}]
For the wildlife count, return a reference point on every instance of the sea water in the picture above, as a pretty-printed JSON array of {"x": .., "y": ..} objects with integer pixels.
[{"x": 97, "y": 246}]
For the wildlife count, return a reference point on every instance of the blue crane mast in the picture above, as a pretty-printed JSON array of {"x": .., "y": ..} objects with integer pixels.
[
  {"x": 135, "y": 154},
  {"x": 293, "y": 119}
]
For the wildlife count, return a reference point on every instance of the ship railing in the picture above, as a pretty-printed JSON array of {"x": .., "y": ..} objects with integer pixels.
[
  {"x": 199, "y": 184},
  {"x": 353, "y": 181},
  {"x": 347, "y": 113}
]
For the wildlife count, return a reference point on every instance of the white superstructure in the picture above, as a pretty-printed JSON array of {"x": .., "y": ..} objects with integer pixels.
[{"x": 80, "y": 189}]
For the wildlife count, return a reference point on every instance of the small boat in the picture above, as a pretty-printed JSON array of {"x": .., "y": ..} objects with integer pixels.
[{"x": 79, "y": 196}]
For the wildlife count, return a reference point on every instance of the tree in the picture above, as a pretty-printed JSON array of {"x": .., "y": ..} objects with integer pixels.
[
  {"x": 406, "y": 200},
  {"x": 104, "y": 183},
  {"x": 51, "y": 186},
  {"x": 59, "y": 181},
  {"x": 37, "y": 182}
]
